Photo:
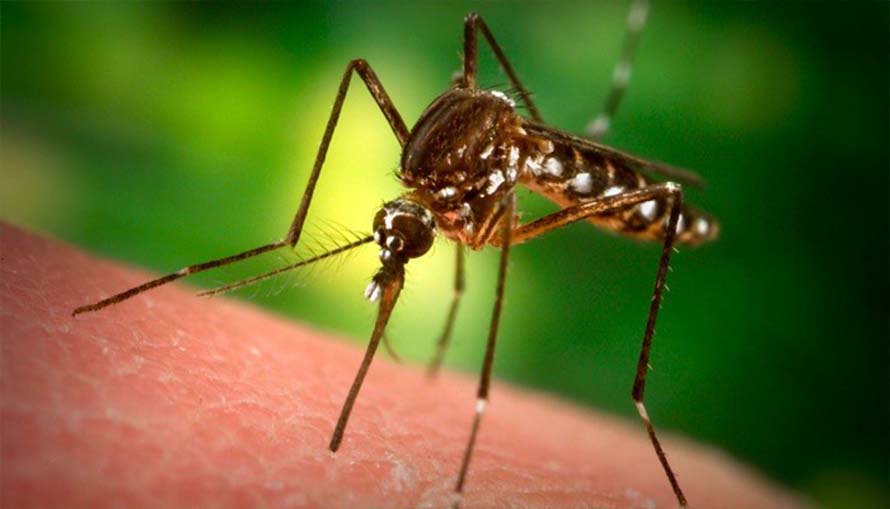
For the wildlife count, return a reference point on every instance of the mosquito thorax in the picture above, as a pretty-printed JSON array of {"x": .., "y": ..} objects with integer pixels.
[
  {"x": 458, "y": 130},
  {"x": 463, "y": 157}
]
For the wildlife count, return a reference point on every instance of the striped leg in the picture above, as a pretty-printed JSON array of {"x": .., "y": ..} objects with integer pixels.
[
  {"x": 485, "y": 377},
  {"x": 636, "y": 20},
  {"x": 667, "y": 191}
]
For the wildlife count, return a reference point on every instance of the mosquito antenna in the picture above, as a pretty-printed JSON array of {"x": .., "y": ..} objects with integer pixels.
[
  {"x": 293, "y": 266},
  {"x": 391, "y": 285}
]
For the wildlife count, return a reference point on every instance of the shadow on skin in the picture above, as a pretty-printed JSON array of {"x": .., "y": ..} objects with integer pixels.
[{"x": 169, "y": 400}]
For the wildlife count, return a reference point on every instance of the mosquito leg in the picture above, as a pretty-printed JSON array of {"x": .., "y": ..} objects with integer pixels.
[
  {"x": 636, "y": 20},
  {"x": 395, "y": 122},
  {"x": 485, "y": 378},
  {"x": 643, "y": 363},
  {"x": 471, "y": 58},
  {"x": 372, "y": 82},
  {"x": 442, "y": 343},
  {"x": 668, "y": 191},
  {"x": 387, "y": 303}
]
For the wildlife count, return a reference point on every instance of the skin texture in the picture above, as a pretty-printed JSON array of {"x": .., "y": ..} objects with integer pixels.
[{"x": 169, "y": 400}]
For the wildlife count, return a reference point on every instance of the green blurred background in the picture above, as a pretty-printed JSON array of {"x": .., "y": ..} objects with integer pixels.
[{"x": 169, "y": 133}]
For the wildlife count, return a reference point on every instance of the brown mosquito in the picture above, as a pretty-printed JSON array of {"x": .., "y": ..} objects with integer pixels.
[{"x": 461, "y": 165}]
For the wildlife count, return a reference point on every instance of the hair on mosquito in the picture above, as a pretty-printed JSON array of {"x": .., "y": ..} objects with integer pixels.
[{"x": 325, "y": 246}]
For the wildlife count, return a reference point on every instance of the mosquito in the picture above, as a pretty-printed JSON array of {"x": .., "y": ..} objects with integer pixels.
[{"x": 461, "y": 165}]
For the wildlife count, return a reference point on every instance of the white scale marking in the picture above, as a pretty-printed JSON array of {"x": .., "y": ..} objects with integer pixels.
[
  {"x": 534, "y": 165},
  {"x": 388, "y": 218},
  {"x": 681, "y": 223},
  {"x": 637, "y": 17},
  {"x": 466, "y": 212},
  {"x": 621, "y": 77},
  {"x": 642, "y": 410},
  {"x": 702, "y": 226},
  {"x": 612, "y": 191},
  {"x": 494, "y": 181},
  {"x": 582, "y": 183},
  {"x": 446, "y": 192},
  {"x": 599, "y": 126},
  {"x": 502, "y": 96},
  {"x": 647, "y": 209},
  {"x": 514, "y": 156},
  {"x": 553, "y": 166},
  {"x": 373, "y": 291}
]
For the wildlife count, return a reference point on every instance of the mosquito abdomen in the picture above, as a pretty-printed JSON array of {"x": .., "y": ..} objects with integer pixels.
[{"x": 570, "y": 176}]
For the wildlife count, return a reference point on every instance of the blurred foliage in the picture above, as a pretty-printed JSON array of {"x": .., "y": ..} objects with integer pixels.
[{"x": 169, "y": 133}]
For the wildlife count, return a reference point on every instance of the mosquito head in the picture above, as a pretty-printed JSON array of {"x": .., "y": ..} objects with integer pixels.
[{"x": 403, "y": 229}]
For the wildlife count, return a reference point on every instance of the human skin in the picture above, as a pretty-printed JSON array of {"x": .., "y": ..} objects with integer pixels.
[{"x": 169, "y": 400}]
